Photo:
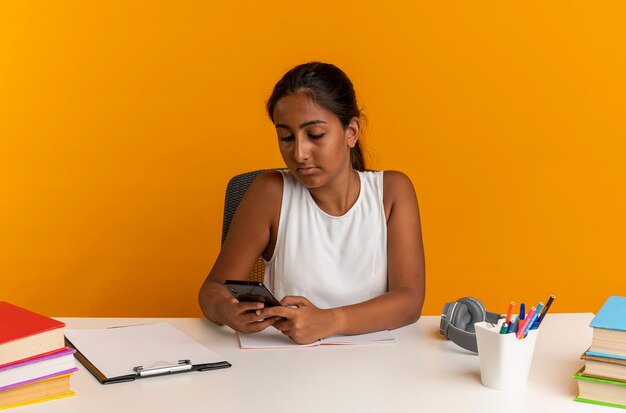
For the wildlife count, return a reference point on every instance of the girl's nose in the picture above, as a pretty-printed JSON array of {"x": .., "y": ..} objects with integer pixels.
[{"x": 302, "y": 150}]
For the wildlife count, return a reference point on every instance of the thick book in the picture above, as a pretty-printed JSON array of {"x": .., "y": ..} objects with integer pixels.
[
  {"x": 119, "y": 354},
  {"x": 604, "y": 367},
  {"x": 609, "y": 329},
  {"x": 18, "y": 374},
  {"x": 25, "y": 334},
  {"x": 38, "y": 391},
  {"x": 273, "y": 338},
  {"x": 600, "y": 391}
]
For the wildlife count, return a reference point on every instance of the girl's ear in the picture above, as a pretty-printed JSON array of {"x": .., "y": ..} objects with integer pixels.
[{"x": 353, "y": 131}]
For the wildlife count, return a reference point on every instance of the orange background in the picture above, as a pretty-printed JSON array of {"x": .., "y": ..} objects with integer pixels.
[{"x": 121, "y": 122}]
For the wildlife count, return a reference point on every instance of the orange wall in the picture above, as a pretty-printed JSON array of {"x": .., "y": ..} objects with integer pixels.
[{"x": 121, "y": 122}]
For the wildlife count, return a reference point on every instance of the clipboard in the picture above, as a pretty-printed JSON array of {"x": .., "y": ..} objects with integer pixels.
[{"x": 121, "y": 354}]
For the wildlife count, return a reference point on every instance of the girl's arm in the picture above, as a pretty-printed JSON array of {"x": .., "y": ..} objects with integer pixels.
[{"x": 249, "y": 236}]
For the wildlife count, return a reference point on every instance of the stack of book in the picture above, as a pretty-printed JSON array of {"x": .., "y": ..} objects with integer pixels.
[
  {"x": 35, "y": 364},
  {"x": 603, "y": 378}
]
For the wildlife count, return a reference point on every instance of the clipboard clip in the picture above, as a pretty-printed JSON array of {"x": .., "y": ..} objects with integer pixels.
[{"x": 162, "y": 367}]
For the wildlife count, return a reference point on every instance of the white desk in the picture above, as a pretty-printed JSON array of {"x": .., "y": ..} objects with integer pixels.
[{"x": 422, "y": 372}]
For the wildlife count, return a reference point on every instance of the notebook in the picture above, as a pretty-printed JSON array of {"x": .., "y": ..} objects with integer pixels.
[{"x": 273, "y": 338}]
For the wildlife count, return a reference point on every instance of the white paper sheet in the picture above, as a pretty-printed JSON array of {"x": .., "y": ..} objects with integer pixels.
[
  {"x": 116, "y": 351},
  {"x": 272, "y": 338}
]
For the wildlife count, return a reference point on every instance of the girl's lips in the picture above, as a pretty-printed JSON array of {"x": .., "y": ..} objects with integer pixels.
[{"x": 307, "y": 170}]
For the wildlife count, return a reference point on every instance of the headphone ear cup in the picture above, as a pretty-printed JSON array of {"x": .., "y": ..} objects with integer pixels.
[
  {"x": 461, "y": 316},
  {"x": 476, "y": 310}
]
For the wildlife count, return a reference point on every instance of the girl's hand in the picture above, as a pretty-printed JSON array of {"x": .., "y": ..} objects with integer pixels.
[
  {"x": 301, "y": 320},
  {"x": 243, "y": 317}
]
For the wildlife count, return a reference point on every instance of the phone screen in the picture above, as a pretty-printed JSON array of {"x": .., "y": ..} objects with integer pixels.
[{"x": 251, "y": 291}]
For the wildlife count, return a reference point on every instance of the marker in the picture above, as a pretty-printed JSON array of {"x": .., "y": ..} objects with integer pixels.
[
  {"x": 504, "y": 328},
  {"x": 521, "y": 316},
  {"x": 509, "y": 313},
  {"x": 513, "y": 326},
  {"x": 532, "y": 319},
  {"x": 520, "y": 330},
  {"x": 543, "y": 313}
]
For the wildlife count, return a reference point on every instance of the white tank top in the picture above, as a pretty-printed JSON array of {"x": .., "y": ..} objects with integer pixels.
[{"x": 332, "y": 261}]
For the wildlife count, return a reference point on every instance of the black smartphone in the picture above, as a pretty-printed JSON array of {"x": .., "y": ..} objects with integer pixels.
[{"x": 251, "y": 291}]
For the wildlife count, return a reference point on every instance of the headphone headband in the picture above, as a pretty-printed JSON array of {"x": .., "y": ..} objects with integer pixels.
[{"x": 458, "y": 318}]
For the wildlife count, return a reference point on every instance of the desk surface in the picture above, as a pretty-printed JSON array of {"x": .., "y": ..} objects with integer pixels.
[{"x": 422, "y": 372}]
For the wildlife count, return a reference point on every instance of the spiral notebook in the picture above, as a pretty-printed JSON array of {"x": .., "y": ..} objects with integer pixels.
[{"x": 273, "y": 338}]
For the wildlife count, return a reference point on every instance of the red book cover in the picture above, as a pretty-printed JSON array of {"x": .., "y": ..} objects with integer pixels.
[{"x": 17, "y": 322}]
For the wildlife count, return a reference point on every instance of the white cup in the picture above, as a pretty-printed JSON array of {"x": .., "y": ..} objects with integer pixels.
[{"x": 504, "y": 359}]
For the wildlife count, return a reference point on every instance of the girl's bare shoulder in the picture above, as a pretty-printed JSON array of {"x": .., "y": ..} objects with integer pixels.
[
  {"x": 396, "y": 183},
  {"x": 267, "y": 187}
]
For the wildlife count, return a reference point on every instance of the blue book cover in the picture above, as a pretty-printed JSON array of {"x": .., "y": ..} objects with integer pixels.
[
  {"x": 604, "y": 355},
  {"x": 612, "y": 315}
]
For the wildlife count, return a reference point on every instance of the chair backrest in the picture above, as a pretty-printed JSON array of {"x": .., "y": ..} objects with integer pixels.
[{"x": 236, "y": 189}]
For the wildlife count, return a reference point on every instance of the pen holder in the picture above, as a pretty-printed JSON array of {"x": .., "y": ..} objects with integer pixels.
[{"x": 504, "y": 359}]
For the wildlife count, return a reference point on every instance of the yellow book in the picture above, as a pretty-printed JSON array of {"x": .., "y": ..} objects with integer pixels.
[{"x": 35, "y": 392}]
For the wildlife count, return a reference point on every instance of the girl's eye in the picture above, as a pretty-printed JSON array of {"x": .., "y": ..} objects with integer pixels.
[
  {"x": 287, "y": 138},
  {"x": 318, "y": 136}
]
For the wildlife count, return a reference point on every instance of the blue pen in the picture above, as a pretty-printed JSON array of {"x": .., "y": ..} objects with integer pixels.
[
  {"x": 532, "y": 320},
  {"x": 513, "y": 326},
  {"x": 535, "y": 322},
  {"x": 543, "y": 313},
  {"x": 522, "y": 311}
]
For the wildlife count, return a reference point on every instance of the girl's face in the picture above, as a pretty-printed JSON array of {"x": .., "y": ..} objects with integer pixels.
[{"x": 313, "y": 143}]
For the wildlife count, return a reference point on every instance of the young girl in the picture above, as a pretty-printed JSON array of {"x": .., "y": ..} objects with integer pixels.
[{"x": 343, "y": 246}]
